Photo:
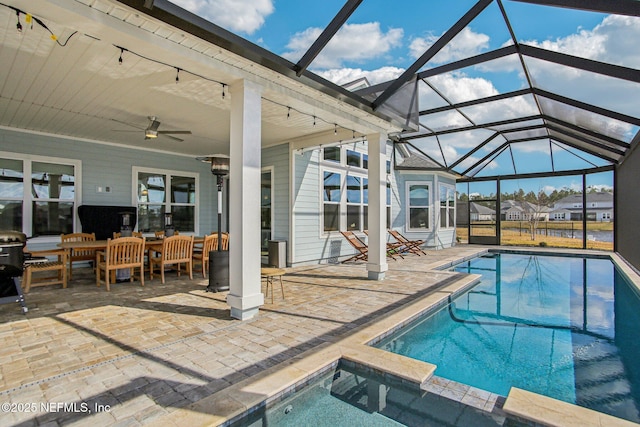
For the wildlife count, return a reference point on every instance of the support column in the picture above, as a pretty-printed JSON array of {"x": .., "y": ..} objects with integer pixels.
[
  {"x": 377, "y": 260},
  {"x": 245, "y": 296}
]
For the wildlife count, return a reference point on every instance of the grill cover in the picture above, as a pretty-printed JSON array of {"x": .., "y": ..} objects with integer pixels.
[{"x": 12, "y": 244}]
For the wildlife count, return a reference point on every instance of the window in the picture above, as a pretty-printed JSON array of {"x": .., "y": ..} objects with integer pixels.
[
  {"x": 332, "y": 154},
  {"x": 345, "y": 190},
  {"x": 332, "y": 197},
  {"x": 38, "y": 195},
  {"x": 354, "y": 202},
  {"x": 448, "y": 206},
  {"x": 418, "y": 210},
  {"x": 160, "y": 192},
  {"x": 266, "y": 209}
]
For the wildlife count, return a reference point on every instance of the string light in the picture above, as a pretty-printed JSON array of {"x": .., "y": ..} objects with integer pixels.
[
  {"x": 29, "y": 18},
  {"x": 178, "y": 69},
  {"x": 315, "y": 119}
]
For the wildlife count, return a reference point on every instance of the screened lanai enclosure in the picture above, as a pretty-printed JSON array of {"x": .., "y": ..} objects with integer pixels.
[
  {"x": 534, "y": 131},
  {"x": 531, "y": 105}
]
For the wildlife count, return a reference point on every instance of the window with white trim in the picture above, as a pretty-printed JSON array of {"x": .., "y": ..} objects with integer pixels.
[
  {"x": 160, "y": 192},
  {"x": 38, "y": 195},
  {"x": 345, "y": 190},
  {"x": 447, "y": 206},
  {"x": 332, "y": 196},
  {"x": 418, "y": 205}
]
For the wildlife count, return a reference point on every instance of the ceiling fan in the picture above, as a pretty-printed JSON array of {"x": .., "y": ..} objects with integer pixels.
[{"x": 152, "y": 132}]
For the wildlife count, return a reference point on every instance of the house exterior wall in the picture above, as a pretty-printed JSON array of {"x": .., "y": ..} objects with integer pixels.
[
  {"x": 309, "y": 243},
  {"x": 435, "y": 236},
  {"x": 277, "y": 159},
  {"x": 111, "y": 165}
]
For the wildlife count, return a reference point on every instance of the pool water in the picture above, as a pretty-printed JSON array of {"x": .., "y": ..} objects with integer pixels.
[
  {"x": 350, "y": 396},
  {"x": 563, "y": 327}
]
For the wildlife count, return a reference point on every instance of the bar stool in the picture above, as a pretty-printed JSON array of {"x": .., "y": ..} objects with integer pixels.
[{"x": 269, "y": 273}]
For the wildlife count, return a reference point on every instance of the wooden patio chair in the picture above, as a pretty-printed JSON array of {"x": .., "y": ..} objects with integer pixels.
[
  {"x": 411, "y": 246},
  {"x": 58, "y": 266},
  {"x": 202, "y": 254},
  {"x": 393, "y": 249},
  {"x": 79, "y": 254},
  {"x": 176, "y": 250},
  {"x": 358, "y": 245},
  {"x": 225, "y": 241},
  {"x": 122, "y": 253},
  {"x": 118, "y": 234}
]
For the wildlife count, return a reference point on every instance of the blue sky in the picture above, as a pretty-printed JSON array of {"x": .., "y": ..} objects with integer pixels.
[{"x": 382, "y": 38}]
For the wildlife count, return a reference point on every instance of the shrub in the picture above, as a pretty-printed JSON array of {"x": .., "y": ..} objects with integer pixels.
[{"x": 543, "y": 244}]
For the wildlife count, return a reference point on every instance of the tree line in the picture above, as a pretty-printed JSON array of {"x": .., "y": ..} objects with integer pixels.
[{"x": 541, "y": 198}]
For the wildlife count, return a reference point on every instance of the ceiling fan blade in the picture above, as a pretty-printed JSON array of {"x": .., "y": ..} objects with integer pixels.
[
  {"x": 181, "y": 132},
  {"x": 172, "y": 137},
  {"x": 128, "y": 124}
]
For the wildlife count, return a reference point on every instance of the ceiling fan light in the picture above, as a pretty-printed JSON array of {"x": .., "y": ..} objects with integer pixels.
[{"x": 150, "y": 133}]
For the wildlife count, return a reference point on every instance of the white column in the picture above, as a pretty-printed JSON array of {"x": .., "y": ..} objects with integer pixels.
[
  {"x": 245, "y": 296},
  {"x": 377, "y": 262}
]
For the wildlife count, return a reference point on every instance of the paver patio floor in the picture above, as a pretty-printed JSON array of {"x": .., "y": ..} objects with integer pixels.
[{"x": 85, "y": 356}]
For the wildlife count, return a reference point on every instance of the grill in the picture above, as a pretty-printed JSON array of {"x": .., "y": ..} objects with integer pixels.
[{"x": 12, "y": 259}]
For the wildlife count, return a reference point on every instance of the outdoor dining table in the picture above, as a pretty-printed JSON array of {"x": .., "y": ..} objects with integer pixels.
[{"x": 151, "y": 243}]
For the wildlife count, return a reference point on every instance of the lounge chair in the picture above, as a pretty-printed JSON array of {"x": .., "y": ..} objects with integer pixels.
[
  {"x": 393, "y": 249},
  {"x": 410, "y": 246},
  {"x": 358, "y": 244},
  {"x": 363, "y": 250}
]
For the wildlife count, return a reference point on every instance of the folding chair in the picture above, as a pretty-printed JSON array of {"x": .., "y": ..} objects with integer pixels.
[{"x": 411, "y": 246}]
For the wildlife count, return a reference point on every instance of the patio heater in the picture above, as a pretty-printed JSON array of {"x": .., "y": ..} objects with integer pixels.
[{"x": 218, "y": 260}]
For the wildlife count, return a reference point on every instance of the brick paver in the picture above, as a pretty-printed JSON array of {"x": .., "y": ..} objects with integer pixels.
[{"x": 85, "y": 356}]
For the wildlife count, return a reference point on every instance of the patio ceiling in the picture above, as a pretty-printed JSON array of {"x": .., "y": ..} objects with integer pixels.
[
  {"x": 112, "y": 67},
  {"x": 535, "y": 123}
]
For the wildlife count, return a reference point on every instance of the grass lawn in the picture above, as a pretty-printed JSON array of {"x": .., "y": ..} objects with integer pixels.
[{"x": 514, "y": 237}]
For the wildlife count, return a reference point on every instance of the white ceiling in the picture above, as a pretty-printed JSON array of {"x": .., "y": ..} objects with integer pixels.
[{"x": 80, "y": 90}]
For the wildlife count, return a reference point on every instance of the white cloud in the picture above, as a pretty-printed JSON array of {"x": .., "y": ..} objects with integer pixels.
[
  {"x": 614, "y": 40},
  {"x": 244, "y": 16},
  {"x": 466, "y": 43},
  {"x": 342, "y": 76},
  {"x": 354, "y": 43}
]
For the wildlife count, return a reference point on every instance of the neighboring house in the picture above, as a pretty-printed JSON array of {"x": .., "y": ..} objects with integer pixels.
[
  {"x": 512, "y": 210},
  {"x": 480, "y": 212},
  {"x": 599, "y": 207}
]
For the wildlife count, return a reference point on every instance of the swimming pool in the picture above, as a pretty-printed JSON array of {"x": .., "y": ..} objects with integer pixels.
[
  {"x": 564, "y": 327},
  {"x": 350, "y": 395}
]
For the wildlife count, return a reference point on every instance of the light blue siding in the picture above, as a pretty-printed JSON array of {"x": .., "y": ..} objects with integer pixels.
[
  {"x": 109, "y": 165},
  {"x": 278, "y": 158}
]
